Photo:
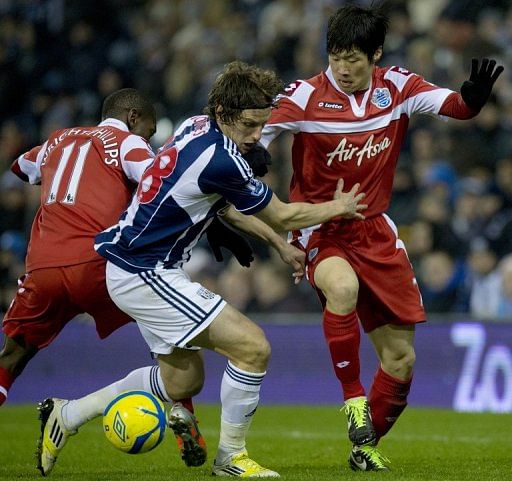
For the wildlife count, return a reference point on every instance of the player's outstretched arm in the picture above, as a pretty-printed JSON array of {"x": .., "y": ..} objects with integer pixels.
[
  {"x": 477, "y": 89},
  {"x": 259, "y": 230},
  {"x": 297, "y": 215}
]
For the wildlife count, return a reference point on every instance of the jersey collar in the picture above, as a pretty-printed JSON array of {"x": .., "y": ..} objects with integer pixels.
[
  {"x": 357, "y": 109},
  {"x": 111, "y": 122}
]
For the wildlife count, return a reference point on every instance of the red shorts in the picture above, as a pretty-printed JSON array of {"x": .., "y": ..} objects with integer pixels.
[
  {"x": 388, "y": 291},
  {"x": 47, "y": 299}
]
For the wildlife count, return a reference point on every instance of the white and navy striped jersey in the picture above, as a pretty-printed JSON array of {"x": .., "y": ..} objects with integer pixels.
[{"x": 196, "y": 174}]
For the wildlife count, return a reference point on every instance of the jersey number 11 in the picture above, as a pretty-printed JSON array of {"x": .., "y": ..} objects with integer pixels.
[{"x": 76, "y": 173}]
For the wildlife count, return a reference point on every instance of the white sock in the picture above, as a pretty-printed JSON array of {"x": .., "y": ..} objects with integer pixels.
[
  {"x": 239, "y": 394},
  {"x": 79, "y": 411}
]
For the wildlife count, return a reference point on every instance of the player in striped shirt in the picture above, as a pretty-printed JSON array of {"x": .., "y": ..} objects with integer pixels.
[
  {"x": 350, "y": 122},
  {"x": 198, "y": 175}
]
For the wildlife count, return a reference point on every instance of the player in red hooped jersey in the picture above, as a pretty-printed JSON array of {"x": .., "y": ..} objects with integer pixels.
[
  {"x": 87, "y": 177},
  {"x": 349, "y": 122}
]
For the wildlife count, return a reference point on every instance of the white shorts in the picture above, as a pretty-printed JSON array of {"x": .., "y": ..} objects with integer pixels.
[{"x": 169, "y": 308}]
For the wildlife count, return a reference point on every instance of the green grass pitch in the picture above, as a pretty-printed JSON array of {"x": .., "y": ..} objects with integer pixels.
[{"x": 300, "y": 442}]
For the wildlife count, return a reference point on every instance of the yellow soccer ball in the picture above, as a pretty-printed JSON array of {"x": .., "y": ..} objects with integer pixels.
[{"x": 135, "y": 422}]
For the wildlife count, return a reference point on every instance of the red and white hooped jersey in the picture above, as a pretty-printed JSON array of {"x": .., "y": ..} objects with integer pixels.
[
  {"x": 87, "y": 176},
  {"x": 354, "y": 137}
]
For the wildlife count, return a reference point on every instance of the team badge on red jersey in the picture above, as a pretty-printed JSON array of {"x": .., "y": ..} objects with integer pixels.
[
  {"x": 381, "y": 97},
  {"x": 312, "y": 254}
]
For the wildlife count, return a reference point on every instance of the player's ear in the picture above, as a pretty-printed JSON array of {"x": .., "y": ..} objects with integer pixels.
[
  {"x": 377, "y": 55},
  {"x": 132, "y": 118}
]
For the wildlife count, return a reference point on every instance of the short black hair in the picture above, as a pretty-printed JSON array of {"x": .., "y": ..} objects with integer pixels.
[
  {"x": 118, "y": 102},
  {"x": 354, "y": 27},
  {"x": 241, "y": 86}
]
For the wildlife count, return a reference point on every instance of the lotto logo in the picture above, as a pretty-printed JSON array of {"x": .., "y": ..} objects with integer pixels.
[{"x": 330, "y": 105}]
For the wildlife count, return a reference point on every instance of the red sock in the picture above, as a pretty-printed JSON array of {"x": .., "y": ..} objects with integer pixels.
[
  {"x": 388, "y": 398},
  {"x": 343, "y": 337},
  {"x": 187, "y": 402},
  {"x": 6, "y": 380}
]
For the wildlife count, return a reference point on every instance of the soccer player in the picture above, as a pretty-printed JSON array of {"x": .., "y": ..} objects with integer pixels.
[
  {"x": 198, "y": 175},
  {"x": 350, "y": 122},
  {"x": 87, "y": 177}
]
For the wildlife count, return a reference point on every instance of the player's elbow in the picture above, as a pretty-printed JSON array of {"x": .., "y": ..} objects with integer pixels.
[
  {"x": 282, "y": 220},
  {"x": 281, "y": 216}
]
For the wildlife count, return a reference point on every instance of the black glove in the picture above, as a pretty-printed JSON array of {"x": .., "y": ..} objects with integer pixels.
[
  {"x": 258, "y": 159},
  {"x": 220, "y": 235},
  {"x": 476, "y": 91}
]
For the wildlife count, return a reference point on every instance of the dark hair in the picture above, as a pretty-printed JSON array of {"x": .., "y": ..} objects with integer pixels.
[
  {"x": 117, "y": 103},
  {"x": 239, "y": 87},
  {"x": 357, "y": 27}
]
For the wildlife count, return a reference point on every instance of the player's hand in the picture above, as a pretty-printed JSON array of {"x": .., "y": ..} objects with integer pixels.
[
  {"x": 295, "y": 258},
  {"x": 258, "y": 159},
  {"x": 351, "y": 201},
  {"x": 220, "y": 235},
  {"x": 476, "y": 91}
]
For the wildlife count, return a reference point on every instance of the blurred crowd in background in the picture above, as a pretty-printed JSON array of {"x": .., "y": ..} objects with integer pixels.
[{"x": 453, "y": 187}]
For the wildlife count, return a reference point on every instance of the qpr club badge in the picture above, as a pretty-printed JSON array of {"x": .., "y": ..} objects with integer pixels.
[
  {"x": 381, "y": 97},
  {"x": 312, "y": 254}
]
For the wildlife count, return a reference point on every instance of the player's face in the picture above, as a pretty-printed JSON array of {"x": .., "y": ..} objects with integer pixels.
[
  {"x": 246, "y": 131},
  {"x": 145, "y": 126},
  {"x": 352, "y": 70}
]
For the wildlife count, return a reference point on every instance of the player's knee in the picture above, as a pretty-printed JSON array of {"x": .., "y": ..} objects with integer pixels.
[
  {"x": 342, "y": 293},
  {"x": 400, "y": 364},
  {"x": 256, "y": 354},
  {"x": 265, "y": 351}
]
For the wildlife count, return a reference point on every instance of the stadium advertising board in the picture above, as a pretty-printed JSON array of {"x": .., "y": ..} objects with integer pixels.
[{"x": 466, "y": 366}]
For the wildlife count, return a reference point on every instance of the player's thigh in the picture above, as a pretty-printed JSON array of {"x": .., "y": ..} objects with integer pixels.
[
  {"x": 394, "y": 342},
  {"x": 234, "y": 335},
  {"x": 87, "y": 288},
  {"x": 107, "y": 316},
  {"x": 170, "y": 309},
  {"x": 40, "y": 309}
]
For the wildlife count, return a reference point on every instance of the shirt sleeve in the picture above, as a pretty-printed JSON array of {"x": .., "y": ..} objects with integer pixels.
[
  {"x": 424, "y": 97},
  {"x": 417, "y": 95},
  {"x": 289, "y": 113},
  {"x": 136, "y": 156},
  {"x": 230, "y": 176},
  {"x": 28, "y": 165},
  {"x": 455, "y": 108}
]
